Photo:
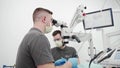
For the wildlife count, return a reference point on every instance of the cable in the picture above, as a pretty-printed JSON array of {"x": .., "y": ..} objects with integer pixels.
[
  {"x": 99, "y": 54},
  {"x": 95, "y": 58},
  {"x": 106, "y": 57}
]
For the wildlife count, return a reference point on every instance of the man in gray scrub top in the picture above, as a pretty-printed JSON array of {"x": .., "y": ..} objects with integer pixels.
[{"x": 34, "y": 50}]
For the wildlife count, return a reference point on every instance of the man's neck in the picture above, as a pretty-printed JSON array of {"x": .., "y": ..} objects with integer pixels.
[
  {"x": 39, "y": 26},
  {"x": 62, "y": 47}
]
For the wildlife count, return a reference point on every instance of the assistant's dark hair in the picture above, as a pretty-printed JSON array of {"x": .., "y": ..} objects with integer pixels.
[
  {"x": 37, "y": 11},
  {"x": 56, "y": 32}
]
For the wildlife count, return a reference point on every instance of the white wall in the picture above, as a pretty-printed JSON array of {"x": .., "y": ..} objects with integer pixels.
[{"x": 16, "y": 20}]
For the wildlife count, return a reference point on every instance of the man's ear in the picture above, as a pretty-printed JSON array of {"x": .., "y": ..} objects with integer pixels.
[{"x": 44, "y": 19}]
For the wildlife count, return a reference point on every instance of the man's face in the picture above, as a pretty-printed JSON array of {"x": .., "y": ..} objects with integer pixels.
[
  {"x": 49, "y": 20},
  {"x": 48, "y": 23},
  {"x": 57, "y": 37},
  {"x": 58, "y": 40}
]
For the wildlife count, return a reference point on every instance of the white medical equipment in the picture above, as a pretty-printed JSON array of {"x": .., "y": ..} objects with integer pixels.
[
  {"x": 67, "y": 31},
  {"x": 113, "y": 53},
  {"x": 80, "y": 16},
  {"x": 113, "y": 61}
]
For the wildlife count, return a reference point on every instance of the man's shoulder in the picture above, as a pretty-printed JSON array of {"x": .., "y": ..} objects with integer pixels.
[
  {"x": 35, "y": 31},
  {"x": 54, "y": 48},
  {"x": 70, "y": 47}
]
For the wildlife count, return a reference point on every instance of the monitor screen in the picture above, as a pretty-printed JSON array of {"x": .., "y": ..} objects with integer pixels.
[{"x": 98, "y": 19}]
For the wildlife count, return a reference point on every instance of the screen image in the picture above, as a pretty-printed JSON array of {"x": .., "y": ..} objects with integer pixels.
[{"x": 98, "y": 19}]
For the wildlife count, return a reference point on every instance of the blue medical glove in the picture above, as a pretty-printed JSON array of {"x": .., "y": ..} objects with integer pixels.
[
  {"x": 60, "y": 62},
  {"x": 74, "y": 62}
]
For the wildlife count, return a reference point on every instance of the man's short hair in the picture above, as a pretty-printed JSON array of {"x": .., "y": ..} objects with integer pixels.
[
  {"x": 56, "y": 32},
  {"x": 37, "y": 11}
]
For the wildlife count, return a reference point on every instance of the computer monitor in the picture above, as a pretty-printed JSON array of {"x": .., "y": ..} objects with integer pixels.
[{"x": 98, "y": 19}]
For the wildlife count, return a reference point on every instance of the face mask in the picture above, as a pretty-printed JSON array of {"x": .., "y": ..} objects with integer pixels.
[
  {"x": 58, "y": 43},
  {"x": 48, "y": 29}
]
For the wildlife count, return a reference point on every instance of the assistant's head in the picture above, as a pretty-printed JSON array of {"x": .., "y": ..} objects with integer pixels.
[
  {"x": 42, "y": 19},
  {"x": 58, "y": 38}
]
